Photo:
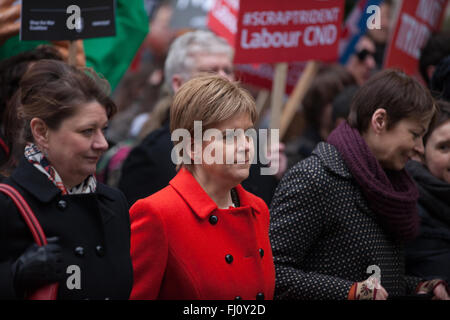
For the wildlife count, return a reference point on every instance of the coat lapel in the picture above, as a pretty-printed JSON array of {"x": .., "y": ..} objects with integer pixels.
[
  {"x": 198, "y": 200},
  {"x": 34, "y": 182}
]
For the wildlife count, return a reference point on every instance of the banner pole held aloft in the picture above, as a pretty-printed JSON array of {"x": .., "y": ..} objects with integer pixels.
[
  {"x": 278, "y": 91},
  {"x": 72, "y": 53},
  {"x": 297, "y": 96}
]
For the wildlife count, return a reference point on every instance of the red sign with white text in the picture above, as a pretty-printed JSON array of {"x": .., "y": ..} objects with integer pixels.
[
  {"x": 222, "y": 19},
  {"x": 262, "y": 75},
  {"x": 416, "y": 21},
  {"x": 272, "y": 31}
]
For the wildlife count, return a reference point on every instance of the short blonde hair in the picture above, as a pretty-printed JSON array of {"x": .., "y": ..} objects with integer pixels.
[{"x": 210, "y": 99}]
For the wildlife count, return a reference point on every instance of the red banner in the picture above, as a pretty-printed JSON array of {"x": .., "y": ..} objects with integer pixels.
[
  {"x": 272, "y": 31},
  {"x": 416, "y": 21},
  {"x": 222, "y": 19},
  {"x": 262, "y": 75}
]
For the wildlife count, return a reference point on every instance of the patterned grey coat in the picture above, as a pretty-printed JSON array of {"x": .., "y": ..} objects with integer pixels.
[{"x": 324, "y": 236}]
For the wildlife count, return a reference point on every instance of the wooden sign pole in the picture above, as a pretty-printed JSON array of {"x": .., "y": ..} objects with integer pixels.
[
  {"x": 72, "y": 53},
  {"x": 278, "y": 91},
  {"x": 297, "y": 95},
  {"x": 261, "y": 100}
]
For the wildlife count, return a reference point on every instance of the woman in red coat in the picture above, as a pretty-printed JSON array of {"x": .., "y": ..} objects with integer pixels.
[{"x": 204, "y": 236}]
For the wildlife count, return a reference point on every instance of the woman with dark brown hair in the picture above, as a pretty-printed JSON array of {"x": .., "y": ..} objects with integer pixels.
[
  {"x": 62, "y": 112},
  {"x": 347, "y": 210},
  {"x": 429, "y": 254}
]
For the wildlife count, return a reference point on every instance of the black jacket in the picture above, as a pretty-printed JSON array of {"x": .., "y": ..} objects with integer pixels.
[
  {"x": 149, "y": 168},
  {"x": 428, "y": 256},
  {"x": 324, "y": 236},
  {"x": 94, "y": 232}
]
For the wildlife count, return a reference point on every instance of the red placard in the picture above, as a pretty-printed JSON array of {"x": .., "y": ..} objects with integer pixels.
[
  {"x": 222, "y": 19},
  {"x": 262, "y": 75},
  {"x": 417, "y": 20},
  {"x": 272, "y": 31}
]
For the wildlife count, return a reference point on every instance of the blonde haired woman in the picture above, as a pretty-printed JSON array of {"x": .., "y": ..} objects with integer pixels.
[{"x": 204, "y": 236}]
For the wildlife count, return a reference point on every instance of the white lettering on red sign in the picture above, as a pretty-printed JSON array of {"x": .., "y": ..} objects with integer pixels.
[
  {"x": 295, "y": 17},
  {"x": 320, "y": 35},
  {"x": 265, "y": 39},
  {"x": 233, "y": 4},
  {"x": 429, "y": 11},
  {"x": 226, "y": 17},
  {"x": 411, "y": 36}
]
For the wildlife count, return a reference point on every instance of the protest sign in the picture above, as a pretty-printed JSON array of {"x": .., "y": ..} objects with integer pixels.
[
  {"x": 222, "y": 19},
  {"x": 416, "y": 21},
  {"x": 261, "y": 75},
  {"x": 279, "y": 30},
  {"x": 67, "y": 19}
]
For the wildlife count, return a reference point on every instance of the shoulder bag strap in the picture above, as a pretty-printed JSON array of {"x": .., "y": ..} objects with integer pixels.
[{"x": 26, "y": 212}]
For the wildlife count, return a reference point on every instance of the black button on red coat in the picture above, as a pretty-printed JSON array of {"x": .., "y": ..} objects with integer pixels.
[
  {"x": 213, "y": 220},
  {"x": 229, "y": 258}
]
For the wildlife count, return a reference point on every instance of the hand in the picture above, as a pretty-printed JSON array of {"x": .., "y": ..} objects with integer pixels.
[
  {"x": 63, "y": 48},
  {"x": 381, "y": 294},
  {"x": 9, "y": 23},
  {"x": 437, "y": 287},
  {"x": 370, "y": 289},
  {"x": 38, "y": 266},
  {"x": 278, "y": 159},
  {"x": 440, "y": 292}
]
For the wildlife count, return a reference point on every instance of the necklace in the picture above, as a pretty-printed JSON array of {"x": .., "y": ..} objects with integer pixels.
[{"x": 235, "y": 198}]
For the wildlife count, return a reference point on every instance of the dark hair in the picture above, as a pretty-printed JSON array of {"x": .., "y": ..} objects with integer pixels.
[
  {"x": 343, "y": 101},
  {"x": 12, "y": 69},
  {"x": 329, "y": 82},
  {"x": 437, "y": 48},
  {"x": 442, "y": 115},
  {"x": 400, "y": 95},
  {"x": 52, "y": 91},
  {"x": 440, "y": 82}
]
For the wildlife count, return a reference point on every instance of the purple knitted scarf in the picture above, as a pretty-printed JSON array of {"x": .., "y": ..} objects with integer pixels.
[{"x": 392, "y": 195}]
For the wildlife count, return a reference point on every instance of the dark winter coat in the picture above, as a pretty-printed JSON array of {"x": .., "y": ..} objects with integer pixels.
[
  {"x": 324, "y": 236},
  {"x": 93, "y": 231},
  {"x": 428, "y": 256}
]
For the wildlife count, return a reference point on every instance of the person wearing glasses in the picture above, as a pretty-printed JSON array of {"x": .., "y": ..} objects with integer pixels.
[{"x": 361, "y": 63}]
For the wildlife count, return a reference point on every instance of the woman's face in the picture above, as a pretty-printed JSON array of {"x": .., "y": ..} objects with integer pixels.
[
  {"x": 233, "y": 144},
  {"x": 437, "y": 152},
  {"x": 400, "y": 143},
  {"x": 75, "y": 148}
]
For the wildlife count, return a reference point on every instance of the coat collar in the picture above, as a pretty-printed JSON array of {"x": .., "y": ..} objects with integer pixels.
[
  {"x": 331, "y": 159},
  {"x": 37, "y": 184},
  {"x": 197, "y": 198}
]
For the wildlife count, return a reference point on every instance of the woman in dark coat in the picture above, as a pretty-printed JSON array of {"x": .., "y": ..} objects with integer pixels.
[
  {"x": 428, "y": 256},
  {"x": 345, "y": 212},
  {"x": 64, "y": 111}
]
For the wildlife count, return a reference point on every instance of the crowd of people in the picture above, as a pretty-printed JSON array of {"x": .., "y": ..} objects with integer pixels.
[{"x": 362, "y": 180}]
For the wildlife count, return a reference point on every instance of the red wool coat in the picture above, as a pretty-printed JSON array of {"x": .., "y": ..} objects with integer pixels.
[{"x": 184, "y": 247}]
